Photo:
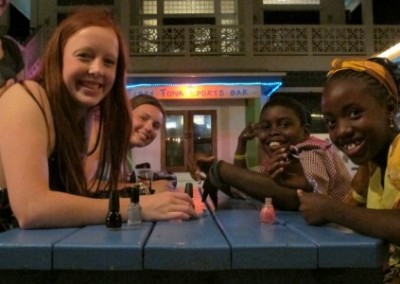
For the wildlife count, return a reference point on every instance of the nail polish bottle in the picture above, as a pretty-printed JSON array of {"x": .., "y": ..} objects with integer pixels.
[
  {"x": 132, "y": 177},
  {"x": 189, "y": 189},
  {"x": 113, "y": 220},
  {"x": 134, "y": 208},
  {"x": 267, "y": 213}
]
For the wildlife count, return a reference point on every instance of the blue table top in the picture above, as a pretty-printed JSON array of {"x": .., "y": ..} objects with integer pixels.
[
  {"x": 187, "y": 245},
  {"x": 230, "y": 238},
  {"x": 338, "y": 246},
  {"x": 30, "y": 249},
  {"x": 98, "y": 248},
  {"x": 264, "y": 246}
]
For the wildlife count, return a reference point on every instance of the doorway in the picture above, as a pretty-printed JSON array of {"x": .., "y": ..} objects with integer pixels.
[{"x": 186, "y": 133}]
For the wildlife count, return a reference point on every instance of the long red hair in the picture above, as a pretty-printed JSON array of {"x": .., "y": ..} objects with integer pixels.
[{"x": 71, "y": 144}]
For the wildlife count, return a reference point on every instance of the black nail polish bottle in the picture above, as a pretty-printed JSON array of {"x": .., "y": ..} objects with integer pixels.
[
  {"x": 113, "y": 220},
  {"x": 189, "y": 189}
]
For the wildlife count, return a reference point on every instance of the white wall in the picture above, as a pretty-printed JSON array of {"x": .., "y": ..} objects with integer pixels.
[
  {"x": 150, "y": 154},
  {"x": 230, "y": 123}
]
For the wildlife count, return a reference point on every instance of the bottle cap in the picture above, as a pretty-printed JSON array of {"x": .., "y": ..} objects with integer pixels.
[
  {"x": 132, "y": 177},
  {"x": 113, "y": 204},
  {"x": 189, "y": 189},
  {"x": 268, "y": 200},
  {"x": 135, "y": 193},
  {"x": 130, "y": 192}
]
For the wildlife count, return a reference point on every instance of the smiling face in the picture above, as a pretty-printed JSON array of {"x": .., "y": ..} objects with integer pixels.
[
  {"x": 358, "y": 123},
  {"x": 280, "y": 126},
  {"x": 89, "y": 64},
  {"x": 146, "y": 123}
]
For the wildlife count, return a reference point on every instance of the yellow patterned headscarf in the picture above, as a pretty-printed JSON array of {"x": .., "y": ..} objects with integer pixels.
[{"x": 374, "y": 69}]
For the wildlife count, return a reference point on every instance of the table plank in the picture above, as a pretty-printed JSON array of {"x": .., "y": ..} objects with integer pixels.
[
  {"x": 338, "y": 247},
  {"x": 226, "y": 246},
  {"x": 187, "y": 245},
  {"x": 30, "y": 249},
  {"x": 98, "y": 248},
  {"x": 263, "y": 246},
  {"x": 193, "y": 245}
]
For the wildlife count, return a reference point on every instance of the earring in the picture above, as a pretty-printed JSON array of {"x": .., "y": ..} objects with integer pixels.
[
  {"x": 397, "y": 120},
  {"x": 391, "y": 123}
]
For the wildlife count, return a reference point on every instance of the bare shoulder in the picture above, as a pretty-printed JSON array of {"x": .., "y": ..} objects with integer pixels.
[
  {"x": 23, "y": 87},
  {"x": 18, "y": 98},
  {"x": 25, "y": 108}
]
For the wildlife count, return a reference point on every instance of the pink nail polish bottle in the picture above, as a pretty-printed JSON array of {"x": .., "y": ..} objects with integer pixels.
[{"x": 267, "y": 213}]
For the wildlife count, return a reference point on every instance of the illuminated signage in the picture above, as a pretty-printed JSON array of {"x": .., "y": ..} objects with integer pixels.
[{"x": 198, "y": 92}]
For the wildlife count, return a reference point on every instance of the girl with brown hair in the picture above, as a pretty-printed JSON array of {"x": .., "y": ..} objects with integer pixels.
[{"x": 45, "y": 129}]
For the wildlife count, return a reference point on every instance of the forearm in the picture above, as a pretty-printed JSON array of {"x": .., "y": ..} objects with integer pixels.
[
  {"x": 384, "y": 224},
  {"x": 103, "y": 185},
  {"x": 258, "y": 186},
  {"x": 239, "y": 158},
  {"x": 57, "y": 209}
]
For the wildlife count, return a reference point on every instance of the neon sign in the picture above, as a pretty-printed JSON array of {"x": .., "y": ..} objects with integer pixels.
[{"x": 203, "y": 91}]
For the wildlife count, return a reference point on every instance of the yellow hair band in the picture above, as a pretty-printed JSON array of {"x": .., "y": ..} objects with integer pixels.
[{"x": 374, "y": 69}]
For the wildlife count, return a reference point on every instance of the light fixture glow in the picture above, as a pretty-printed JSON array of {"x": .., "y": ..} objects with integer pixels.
[
  {"x": 391, "y": 53},
  {"x": 276, "y": 85}
]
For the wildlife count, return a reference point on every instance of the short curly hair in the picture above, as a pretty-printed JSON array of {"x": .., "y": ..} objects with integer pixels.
[{"x": 293, "y": 104}]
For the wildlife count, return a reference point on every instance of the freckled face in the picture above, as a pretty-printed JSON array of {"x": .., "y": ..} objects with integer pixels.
[
  {"x": 357, "y": 122},
  {"x": 280, "y": 126},
  {"x": 89, "y": 64},
  {"x": 146, "y": 123}
]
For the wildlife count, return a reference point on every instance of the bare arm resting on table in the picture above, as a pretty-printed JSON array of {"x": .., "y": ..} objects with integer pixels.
[
  {"x": 258, "y": 186},
  {"x": 24, "y": 160},
  {"x": 317, "y": 209},
  {"x": 254, "y": 184},
  {"x": 24, "y": 164}
]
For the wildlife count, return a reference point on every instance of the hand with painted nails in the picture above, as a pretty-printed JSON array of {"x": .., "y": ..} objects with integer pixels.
[
  {"x": 199, "y": 166},
  {"x": 314, "y": 207},
  {"x": 286, "y": 169}
]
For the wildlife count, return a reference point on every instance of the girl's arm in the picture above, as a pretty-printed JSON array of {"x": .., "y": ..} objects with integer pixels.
[
  {"x": 258, "y": 186},
  {"x": 318, "y": 209},
  {"x": 248, "y": 133},
  {"x": 24, "y": 152}
]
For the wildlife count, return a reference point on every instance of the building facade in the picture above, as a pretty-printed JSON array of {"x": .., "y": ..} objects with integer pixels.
[{"x": 213, "y": 63}]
